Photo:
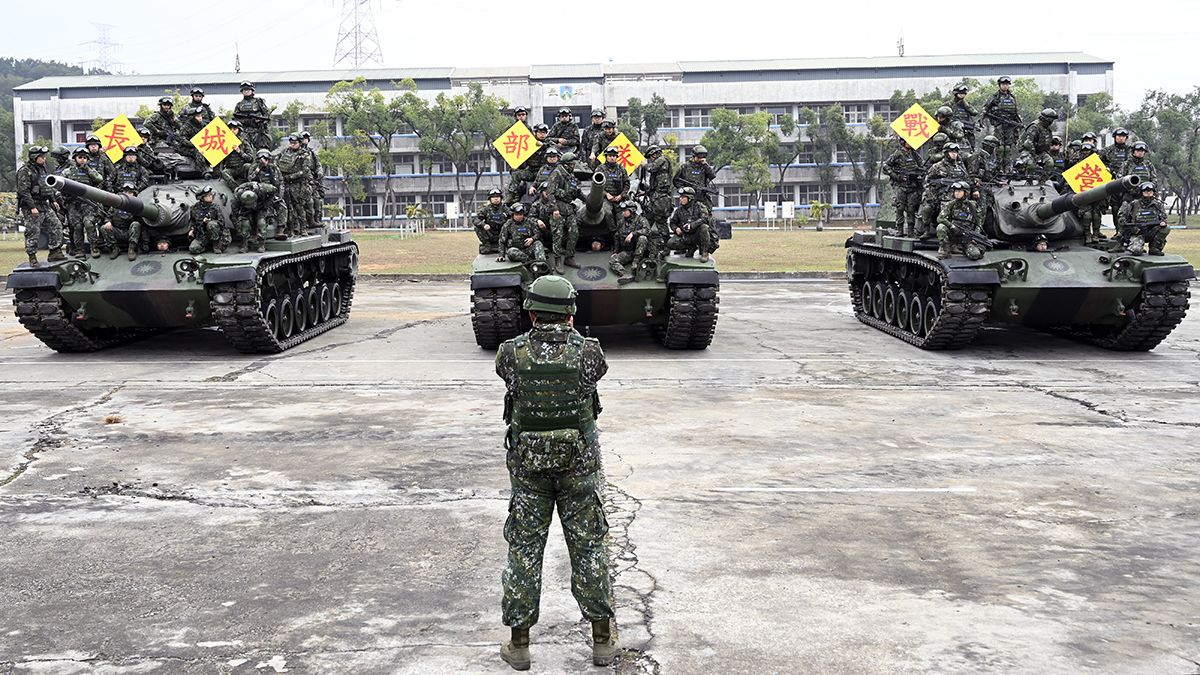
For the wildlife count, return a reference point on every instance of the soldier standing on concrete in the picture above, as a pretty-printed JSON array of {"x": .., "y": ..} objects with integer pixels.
[
  {"x": 553, "y": 460},
  {"x": 37, "y": 205}
]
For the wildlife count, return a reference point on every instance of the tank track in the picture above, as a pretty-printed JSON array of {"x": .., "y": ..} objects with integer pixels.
[
  {"x": 961, "y": 310},
  {"x": 238, "y": 307},
  {"x": 495, "y": 315},
  {"x": 41, "y": 312},
  {"x": 691, "y": 317},
  {"x": 1159, "y": 310}
]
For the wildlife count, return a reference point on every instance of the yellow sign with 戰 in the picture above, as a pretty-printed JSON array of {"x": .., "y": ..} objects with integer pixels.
[
  {"x": 628, "y": 155},
  {"x": 215, "y": 141},
  {"x": 516, "y": 145},
  {"x": 116, "y": 136},
  {"x": 1090, "y": 172},
  {"x": 915, "y": 126}
]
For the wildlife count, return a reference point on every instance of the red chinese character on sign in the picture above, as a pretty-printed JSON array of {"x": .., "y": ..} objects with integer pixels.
[
  {"x": 117, "y": 139},
  {"x": 213, "y": 139},
  {"x": 515, "y": 144},
  {"x": 1089, "y": 177},
  {"x": 623, "y": 153},
  {"x": 916, "y": 124}
]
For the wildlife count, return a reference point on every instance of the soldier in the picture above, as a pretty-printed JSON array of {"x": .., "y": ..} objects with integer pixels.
[
  {"x": 905, "y": 171},
  {"x": 520, "y": 241},
  {"x": 521, "y": 114},
  {"x": 265, "y": 171},
  {"x": 122, "y": 227},
  {"x": 689, "y": 226},
  {"x": 587, "y": 139},
  {"x": 1036, "y": 141},
  {"x": 521, "y": 185},
  {"x": 984, "y": 165},
  {"x": 1114, "y": 157},
  {"x": 191, "y": 123},
  {"x": 317, "y": 184},
  {"x": 129, "y": 170},
  {"x": 1074, "y": 147},
  {"x": 958, "y": 216},
  {"x": 1138, "y": 165},
  {"x": 697, "y": 174},
  {"x": 954, "y": 130},
  {"x": 254, "y": 115},
  {"x": 564, "y": 133},
  {"x": 297, "y": 175},
  {"x": 1058, "y": 164},
  {"x": 933, "y": 149},
  {"x": 551, "y": 157},
  {"x": 545, "y": 213},
  {"x": 489, "y": 220},
  {"x": 550, "y": 374},
  {"x": 616, "y": 178},
  {"x": 937, "y": 185},
  {"x": 655, "y": 186},
  {"x": 564, "y": 187},
  {"x": 1005, "y": 116},
  {"x": 601, "y": 141},
  {"x": 83, "y": 214},
  {"x": 97, "y": 159},
  {"x": 37, "y": 203},
  {"x": 148, "y": 156},
  {"x": 208, "y": 230},
  {"x": 1142, "y": 221},
  {"x": 163, "y": 126},
  {"x": 964, "y": 113},
  {"x": 60, "y": 160},
  {"x": 237, "y": 163},
  {"x": 258, "y": 207},
  {"x": 1090, "y": 216},
  {"x": 631, "y": 243},
  {"x": 198, "y": 102}
]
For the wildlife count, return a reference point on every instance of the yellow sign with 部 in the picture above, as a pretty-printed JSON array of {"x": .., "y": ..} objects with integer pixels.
[
  {"x": 516, "y": 145},
  {"x": 628, "y": 155},
  {"x": 116, "y": 136},
  {"x": 1090, "y": 172},
  {"x": 215, "y": 141},
  {"x": 915, "y": 126}
]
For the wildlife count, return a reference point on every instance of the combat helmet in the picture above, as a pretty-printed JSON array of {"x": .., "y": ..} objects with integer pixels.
[
  {"x": 939, "y": 139},
  {"x": 1140, "y": 145},
  {"x": 566, "y": 157},
  {"x": 60, "y": 152},
  {"x": 247, "y": 197},
  {"x": 80, "y": 152},
  {"x": 960, "y": 89},
  {"x": 1048, "y": 114},
  {"x": 951, "y": 147},
  {"x": 608, "y": 124},
  {"x": 128, "y": 187},
  {"x": 37, "y": 151},
  {"x": 1148, "y": 186},
  {"x": 564, "y": 111},
  {"x": 687, "y": 192},
  {"x": 943, "y": 111},
  {"x": 495, "y": 192},
  {"x": 166, "y": 100},
  {"x": 653, "y": 150},
  {"x": 264, "y": 153},
  {"x": 960, "y": 185},
  {"x": 700, "y": 151},
  {"x": 553, "y": 151},
  {"x": 1004, "y": 79},
  {"x": 990, "y": 141},
  {"x": 611, "y": 151},
  {"x": 552, "y": 294}
]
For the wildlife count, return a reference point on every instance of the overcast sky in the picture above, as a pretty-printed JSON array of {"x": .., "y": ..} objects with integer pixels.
[{"x": 1150, "y": 42}]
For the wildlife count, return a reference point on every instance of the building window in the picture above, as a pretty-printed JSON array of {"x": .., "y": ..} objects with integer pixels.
[
  {"x": 367, "y": 208},
  {"x": 436, "y": 165},
  {"x": 399, "y": 205},
  {"x": 841, "y": 156},
  {"x": 404, "y": 163},
  {"x": 779, "y": 194},
  {"x": 848, "y": 193},
  {"x": 885, "y": 110},
  {"x": 318, "y": 126},
  {"x": 281, "y": 125},
  {"x": 480, "y": 161},
  {"x": 856, "y": 113},
  {"x": 746, "y": 110},
  {"x": 806, "y": 155},
  {"x": 734, "y": 196},
  {"x": 697, "y": 117},
  {"x": 807, "y": 193},
  {"x": 437, "y": 204},
  {"x": 778, "y": 113},
  {"x": 673, "y": 117}
]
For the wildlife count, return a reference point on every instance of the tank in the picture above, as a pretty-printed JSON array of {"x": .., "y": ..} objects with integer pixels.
[
  {"x": 678, "y": 298},
  {"x": 1112, "y": 299},
  {"x": 262, "y": 303}
]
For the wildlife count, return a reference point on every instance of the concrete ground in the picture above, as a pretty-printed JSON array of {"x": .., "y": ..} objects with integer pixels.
[{"x": 808, "y": 495}]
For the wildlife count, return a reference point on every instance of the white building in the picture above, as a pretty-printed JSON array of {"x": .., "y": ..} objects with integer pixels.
[{"x": 61, "y": 109}]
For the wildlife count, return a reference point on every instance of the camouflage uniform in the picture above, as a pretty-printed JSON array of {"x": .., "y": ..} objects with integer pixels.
[
  {"x": 33, "y": 194},
  {"x": 254, "y": 217},
  {"x": 587, "y": 141},
  {"x": 297, "y": 177},
  {"x": 163, "y": 127},
  {"x": 957, "y": 214},
  {"x": 1144, "y": 217},
  {"x": 905, "y": 170},
  {"x": 937, "y": 185},
  {"x": 553, "y": 461},
  {"x": 1114, "y": 157},
  {"x": 550, "y": 227},
  {"x": 1142, "y": 168},
  {"x": 600, "y": 143},
  {"x": 83, "y": 215},
  {"x": 60, "y": 161},
  {"x": 566, "y": 131},
  {"x": 252, "y": 112},
  {"x": 1035, "y": 146},
  {"x": 521, "y": 177},
  {"x": 512, "y": 242},
  {"x": 129, "y": 172},
  {"x": 208, "y": 229},
  {"x": 100, "y": 162},
  {"x": 236, "y": 165},
  {"x": 634, "y": 252},
  {"x": 564, "y": 186},
  {"x": 316, "y": 188},
  {"x": 694, "y": 220},
  {"x": 494, "y": 216},
  {"x": 187, "y": 129},
  {"x": 965, "y": 114},
  {"x": 658, "y": 190},
  {"x": 122, "y": 228},
  {"x": 1005, "y": 115},
  {"x": 616, "y": 179},
  {"x": 205, "y": 110},
  {"x": 696, "y": 175},
  {"x": 274, "y": 211}
]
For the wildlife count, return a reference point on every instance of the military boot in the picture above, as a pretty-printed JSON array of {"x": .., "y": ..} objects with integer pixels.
[
  {"x": 570, "y": 262},
  {"x": 626, "y": 280},
  {"x": 33, "y": 261},
  {"x": 604, "y": 644},
  {"x": 95, "y": 251},
  {"x": 132, "y": 253},
  {"x": 558, "y": 264},
  {"x": 943, "y": 252},
  {"x": 703, "y": 257},
  {"x": 515, "y": 652},
  {"x": 56, "y": 255}
]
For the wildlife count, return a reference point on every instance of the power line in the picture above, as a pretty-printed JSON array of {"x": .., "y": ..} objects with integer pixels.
[{"x": 357, "y": 42}]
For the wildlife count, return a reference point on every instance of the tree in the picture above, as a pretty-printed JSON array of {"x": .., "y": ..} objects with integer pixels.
[
  {"x": 367, "y": 117},
  {"x": 463, "y": 125},
  {"x": 1170, "y": 125},
  {"x": 822, "y": 138},
  {"x": 779, "y": 154},
  {"x": 739, "y": 142},
  {"x": 1097, "y": 112},
  {"x": 417, "y": 117},
  {"x": 641, "y": 121}
]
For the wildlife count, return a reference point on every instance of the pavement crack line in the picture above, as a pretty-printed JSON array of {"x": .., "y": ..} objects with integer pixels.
[
  {"x": 51, "y": 436},
  {"x": 1120, "y": 416},
  {"x": 621, "y": 509}
]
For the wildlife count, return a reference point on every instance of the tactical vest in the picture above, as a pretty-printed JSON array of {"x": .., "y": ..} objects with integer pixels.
[
  {"x": 127, "y": 175},
  {"x": 1144, "y": 213},
  {"x": 1117, "y": 155},
  {"x": 1141, "y": 170},
  {"x": 960, "y": 214},
  {"x": 522, "y": 231},
  {"x": 493, "y": 216},
  {"x": 550, "y": 394},
  {"x": 249, "y": 106},
  {"x": 614, "y": 177},
  {"x": 1006, "y": 103},
  {"x": 660, "y": 179},
  {"x": 1060, "y": 162},
  {"x": 543, "y": 174}
]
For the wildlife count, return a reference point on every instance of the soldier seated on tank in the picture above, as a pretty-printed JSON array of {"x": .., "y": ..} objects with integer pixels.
[
  {"x": 208, "y": 230},
  {"x": 958, "y": 218},
  {"x": 122, "y": 227},
  {"x": 520, "y": 242},
  {"x": 631, "y": 243},
  {"x": 1142, "y": 222},
  {"x": 689, "y": 226}
]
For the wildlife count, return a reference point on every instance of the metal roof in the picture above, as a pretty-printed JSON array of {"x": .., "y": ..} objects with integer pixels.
[{"x": 563, "y": 71}]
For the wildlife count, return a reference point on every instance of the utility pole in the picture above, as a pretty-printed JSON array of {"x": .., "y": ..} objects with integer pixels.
[
  {"x": 357, "y": 42},
  {"x": 106, "y": 48}
]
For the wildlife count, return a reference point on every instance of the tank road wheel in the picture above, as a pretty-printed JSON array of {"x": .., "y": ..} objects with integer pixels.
[
  {"x": 312, "y": 302},
  {"x": 877, "y": 300},
  {"x": 287, "y": 318},
  {"x": 271, "y": 315},
  {"x": 931, "y": 314},
  {"x": 916, "y": 314},
  {"x": 335, "y": 292},
  {"x": 495, "y": 315},
  {"x": 867, "y": 300},
  {"x": 691, "y": 317},
  {"x": 902, "y": 306},
  {"x": 325, "y": 302},
  {"x": 299, "y": 311},
  {"x": 889, "y": 304}
]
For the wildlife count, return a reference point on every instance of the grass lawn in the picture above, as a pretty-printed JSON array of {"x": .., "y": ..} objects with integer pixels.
[{"x": 748, "y": 251}]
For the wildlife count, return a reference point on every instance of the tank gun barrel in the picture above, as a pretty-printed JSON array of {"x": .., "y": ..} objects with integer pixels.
[
  {"x": 595, "y": 199},
  {"x": 1043, "y": 213},
  {"x": 150, "y": 212}
]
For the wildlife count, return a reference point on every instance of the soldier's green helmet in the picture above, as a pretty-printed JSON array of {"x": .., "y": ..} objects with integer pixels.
[
  {"x": 80, "y": 152},
  {"x": 943, "y": 111},
  {"x": 960, "y": 185},
  {"x": 1088, "y": 136},
  {"x": 628, "y": 205},
  {"x": 1048, "y": 114},
  {"x": 247, "y": 197},
  {"x": 687, "y": 192},
  {"x": 1075, "y": 143},
  {"x": 552, "y": 294},
  {"x": 1087, "y": 147},
  {"x": 990, "y": 141},
  {"x": 1140, "y": 146},
  {"x": 166, "y": 100},
  {"x": 206, "y": 190},
  {"x": 653, "y": 150},
  {"x": 495, "y": 193},
  {"x": 553, "y": 152},
  {"x": 36, "y": 151},
  {"x": 128, "y": 187},
  {"x": 950, "y": 147},
  {"x": 608, "y": 124},
  {"x": 264, "y": 153},
  {"x": 612, "y": 151},
  {"x": 1148, "y": 186},
  {"x": 700, "y": 151},
  {"x": 960, "y": 89},
  {"x": 567, "y": 156},
  {"x": 939, "y": 139},
  {"x": 60, "y": 151}
]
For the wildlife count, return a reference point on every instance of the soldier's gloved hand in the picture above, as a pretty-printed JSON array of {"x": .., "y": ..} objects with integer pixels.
[
  {"x": 487, "y": 228},
  {"x": 500, "y": 259}
]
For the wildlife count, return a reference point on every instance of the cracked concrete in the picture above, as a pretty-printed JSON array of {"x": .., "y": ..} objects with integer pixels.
[{"x": 806, "y": 496}]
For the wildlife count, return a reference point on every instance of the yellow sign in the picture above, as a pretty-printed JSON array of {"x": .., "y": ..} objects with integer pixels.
[
  {"x": 915, "y": 126},
  {"x": 116, "y": 136},
  {"x": 516, "y": 145},
  {"x": 628, "y": 155},
  {"x": 1087, "y": 174},
  {"x": 215, "y": 141}
]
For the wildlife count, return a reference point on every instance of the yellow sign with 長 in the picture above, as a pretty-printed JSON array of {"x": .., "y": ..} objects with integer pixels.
[
  {"x": 915, "y": 126},
  {"x": 628, "y": 155},
  {"x": 516, "y": 145},
  {"x": 215, "y": 141},
  {"x": 1087, "y": 174},
  {"x": 116, "y": 136}
]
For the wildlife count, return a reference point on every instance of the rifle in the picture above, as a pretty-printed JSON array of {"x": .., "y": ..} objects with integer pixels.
[
  {"x": 712, "y": 192},
  {"x": 975, "y": 237},
  {"x": 1003, "y": 120}
]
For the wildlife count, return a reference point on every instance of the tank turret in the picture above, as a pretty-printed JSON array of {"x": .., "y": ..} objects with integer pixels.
[
  {"x": 163, "y": 208},
  {"x": 150, "y": 212},
  {"x": 1042, "y": 214}
]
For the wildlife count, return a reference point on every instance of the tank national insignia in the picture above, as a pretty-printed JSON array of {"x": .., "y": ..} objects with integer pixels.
[
  {"x": 177, "y": 273},
  {"x": 673, "y": 292},
  {"x": 1018, "y": 254}
]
